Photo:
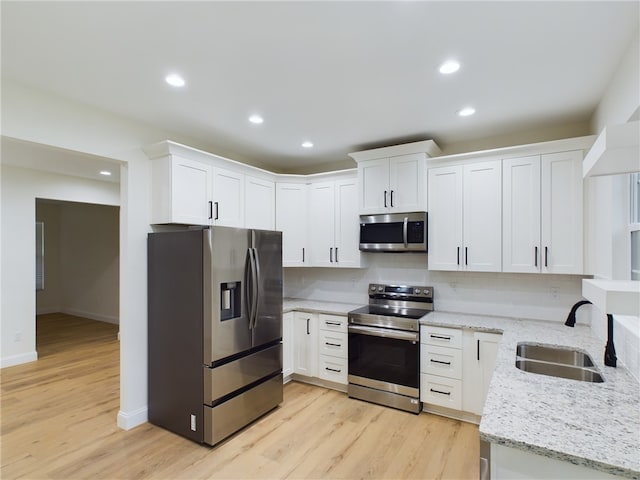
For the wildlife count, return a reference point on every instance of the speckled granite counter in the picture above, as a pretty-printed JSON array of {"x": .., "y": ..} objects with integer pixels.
[
  {"x": 313, "y": 306},
  {"x": 596, "y": 425}
]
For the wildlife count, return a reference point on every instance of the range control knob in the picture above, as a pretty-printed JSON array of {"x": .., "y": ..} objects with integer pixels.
[
  {"x": 380, "y": 288},
  {"x": 417, "y": 291},
  {"x": 373, "y": 288}
]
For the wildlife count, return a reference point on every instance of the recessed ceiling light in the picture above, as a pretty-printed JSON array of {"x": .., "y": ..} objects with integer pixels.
[
  {"x": 175, "y": 80},
  {"x": 106, "y": 173},
  {"x": 466, "y": 111},
  {"x": 450, "y": 66},
  {"x": 307, "y": 144},
  {"x": 257, "y": 119}
]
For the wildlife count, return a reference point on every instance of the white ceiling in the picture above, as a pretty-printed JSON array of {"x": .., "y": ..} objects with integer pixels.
[{"x": 345, "y": 75}]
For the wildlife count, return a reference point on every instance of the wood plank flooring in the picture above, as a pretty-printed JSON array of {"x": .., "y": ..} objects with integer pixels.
[{"x": 59, "y": 422}]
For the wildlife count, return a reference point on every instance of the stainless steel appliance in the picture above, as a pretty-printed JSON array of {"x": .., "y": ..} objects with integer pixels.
[
  {"x": 394, "y": 232},
  {"x": 384, "y": 346},
  {"x": 214, "y": 329}
]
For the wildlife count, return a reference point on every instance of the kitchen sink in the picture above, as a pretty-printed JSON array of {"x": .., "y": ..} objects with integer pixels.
[
  {"x": 559, "y": 370},
  {"x": 557, "y": 362},
  {"x": 554, "y": 355}
]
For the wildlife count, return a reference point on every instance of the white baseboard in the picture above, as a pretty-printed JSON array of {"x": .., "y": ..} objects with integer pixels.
[
  {"x": 47, "y": 310},
  {"x": 18, "y": 359},
  {"x": 129, "y": 420},
  {"x": 91, "y": 315}
]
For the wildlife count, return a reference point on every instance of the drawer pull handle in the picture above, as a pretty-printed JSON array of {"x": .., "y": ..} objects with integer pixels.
[
  {"x": 441, "y": 393},
  {"x": 332, "y": 344},
  {"x": 439, "y": 361},
  {"x": 440, "y": 337},
  {"x": 332, "y": 323},
  {"x": 332, "y": 369}
]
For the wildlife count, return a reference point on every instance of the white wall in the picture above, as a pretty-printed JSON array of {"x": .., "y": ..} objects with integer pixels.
[
  {"x": 544, "y": 297},
  {"x": 81, "y": 249},
  {"x": 20, "y": 188},
  {"x": 608, "y": 210}
]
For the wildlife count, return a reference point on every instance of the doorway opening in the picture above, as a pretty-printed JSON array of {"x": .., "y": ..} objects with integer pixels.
[{"x": 77, "y": 299}]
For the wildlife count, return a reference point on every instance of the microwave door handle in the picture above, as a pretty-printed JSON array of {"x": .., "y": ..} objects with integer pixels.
[{"x": 404, "y": 231}]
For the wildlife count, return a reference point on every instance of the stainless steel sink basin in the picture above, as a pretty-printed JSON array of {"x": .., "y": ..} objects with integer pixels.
[
  {"x": 558, "y": 370},
  {"x": 554, "y": 355},
  {"x": 557, "y": 362}
]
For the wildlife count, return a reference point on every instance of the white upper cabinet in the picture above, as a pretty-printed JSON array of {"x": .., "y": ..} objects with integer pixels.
[
  {"x": 521, "y": 214},
  {"x": 321, "y": 224},
  {"x": 465, "y": 215},
  {"x": 394, "y": 184},
  {"x": 259, "y": 203},
  {"x": 445, "y": 218},
  {"x": 333, "y": 226},
  {"x": 542, "y": 219},
  {"x": 181, "y": 191},
  {"x": 392, "y": 179},
  {"x": 228, "y": 198},
  {"x": 482, "y": 225},
  {"x": 347, "y": 228},
  {"x": 291, "y": 219}
]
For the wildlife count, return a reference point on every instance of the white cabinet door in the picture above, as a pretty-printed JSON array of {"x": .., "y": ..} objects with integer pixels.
[
  {"x": 305, "y": 344},
  {"x": 228, "y": 198},
  {"x": 562, "y": 212},
  {"x": 479, "y": 354},
  {"x": 445, "y": 218},
  {"x": 521, "y": 214},
  {"x": 321, "y": 224},
  {"x": 259, "y": 204},
  {"x": 291, "y": 220},
  {"x": 374, "y": 186},
  {"x": 181, "y": 191},
  {"x": 482, "y": 226},
  {"x": 287, "y": 344},
  {"x": 406, "y": 183},
  {"x": 347, "y": 230}
]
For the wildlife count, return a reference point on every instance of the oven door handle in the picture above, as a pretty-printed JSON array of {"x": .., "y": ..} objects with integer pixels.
[{"x": 384, "y": 332}]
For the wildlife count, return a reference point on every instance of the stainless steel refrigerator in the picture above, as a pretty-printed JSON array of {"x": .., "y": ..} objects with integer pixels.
[{"x": 214, "y": 329}]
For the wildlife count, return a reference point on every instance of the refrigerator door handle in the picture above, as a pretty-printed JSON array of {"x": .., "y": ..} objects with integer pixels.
[
  {"x": 256, "y": 286},
  {"x": 250, "y": 288}
]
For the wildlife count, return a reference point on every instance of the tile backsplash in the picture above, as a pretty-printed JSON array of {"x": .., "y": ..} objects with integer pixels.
[{"x": 533, "y": 296}]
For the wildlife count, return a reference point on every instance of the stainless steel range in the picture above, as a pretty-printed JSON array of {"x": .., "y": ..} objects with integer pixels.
[{"x": 384, "y": 346}]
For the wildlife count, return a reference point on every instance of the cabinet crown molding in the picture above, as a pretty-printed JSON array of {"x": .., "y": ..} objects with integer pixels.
[
  {"x": 428, "y": 147},
  {"x": 615, "y": 151}
]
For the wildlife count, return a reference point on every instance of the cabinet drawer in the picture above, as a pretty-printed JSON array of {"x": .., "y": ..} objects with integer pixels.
[
  {"x": 442, "y": 391},
  {"x": 443, "y": 361},
  {"x": 334, "y": 323},
  {"x": 446, "y": 337},
  {"x": 333, "y": 369},
  {"x": 333, "y": 344}
]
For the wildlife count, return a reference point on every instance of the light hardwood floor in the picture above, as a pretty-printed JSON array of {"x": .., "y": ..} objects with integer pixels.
[{"x": 59, "y": 421}]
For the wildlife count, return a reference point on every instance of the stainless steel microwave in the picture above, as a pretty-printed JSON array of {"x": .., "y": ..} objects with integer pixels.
[{"x": 394, "y": 232}]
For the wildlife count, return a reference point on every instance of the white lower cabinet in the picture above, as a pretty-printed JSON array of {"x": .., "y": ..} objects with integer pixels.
[
  {"x": 442, "y": 391},
  {"x": 305, "y": 344},
  {"x": 480, "y": 352},
  {"x": 456, "y": 367},
  {"x": 287, "y": 345},
  {"x": 323, "y": 337}
]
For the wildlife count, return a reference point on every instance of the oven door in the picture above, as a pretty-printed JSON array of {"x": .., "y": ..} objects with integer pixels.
[{"x": 385, "y": 359}]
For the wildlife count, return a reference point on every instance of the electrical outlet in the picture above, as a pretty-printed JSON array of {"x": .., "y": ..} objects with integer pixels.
[
  {"x": 193, "y": 423},
  {"x": 554, "y": 292},
  {"x": 17, "y": 337}
]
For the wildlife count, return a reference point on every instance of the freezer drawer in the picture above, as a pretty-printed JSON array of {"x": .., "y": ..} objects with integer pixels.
[
  {"x": 228, "y": 378},
  {"x": 237, "y": 412}
]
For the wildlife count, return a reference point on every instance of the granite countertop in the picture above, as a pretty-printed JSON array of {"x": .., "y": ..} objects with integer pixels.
[
  {"x": 596, "y": 425},
  {"x": 314, "y": 306}
]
